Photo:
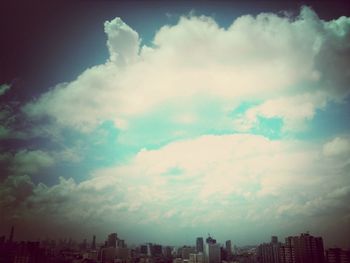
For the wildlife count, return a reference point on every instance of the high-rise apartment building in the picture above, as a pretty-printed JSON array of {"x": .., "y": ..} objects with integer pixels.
[
  {"x": 269, "y": 252},
  {"x": 93, "y": 244},
  {"x": 11, "y": 234},
  {"x": 112, "y": 240},
  {"x": 228, "y": 248},
  {"x": 302, "y": 249},
  {"x": 212, "y": 252},
  {"x": 196, "y": 258},
  {"x": 199, "y": 244},
  {"x": 186, "y": 251},
  {"x": 337, "y": 255}
]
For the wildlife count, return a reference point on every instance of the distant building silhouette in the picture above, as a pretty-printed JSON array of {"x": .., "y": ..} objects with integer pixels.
[
  {"x": 199, "y": 244},
  {"x": 167, "y": 252},
  {"x": 302, "y": 249},
  {"x": 212, "y": 251},
  {"x": 196, "y": 258},
  {"x": 269, "y": 252},
  {"x": 11, "y": 234},
  {"x": 186, "y": 251},
  {"x": 228, "y": 248},
  {"x": 112, "y": 240},
  {"x": 93, "y": 244},
  {"x": 274, "y": 239},
  {"x": 337, "y": 255}
]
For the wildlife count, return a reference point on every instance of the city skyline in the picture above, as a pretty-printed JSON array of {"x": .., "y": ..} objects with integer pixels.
[
  {"x": 112, "y": 240},
  {"x": 167, "y": 121},
  {"x": 297, "y": 248}
]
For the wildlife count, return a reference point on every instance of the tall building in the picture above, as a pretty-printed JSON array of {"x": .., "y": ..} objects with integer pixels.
[
  {"x": 93, "y": 244},
  {"x": 212, "y": 252},
  {"x": 269, "y": 252},
  {"x": 274, "y": 239},
  {"x": 196, "y": 258},
  {"x": 167, "y": 251},
  {"x": 199, "y": 244},
  {"x": 302, "y": 249},
  {"x": 337, "y": 255},
  {"x": 157, "y": 250},
  {"x": 275, "y": 247},
  {"x": 143, "y": 249},
  {"x": 112, "y": 240},
  {"x": 229, "y": 248},
  {"x": 288, "y": 255},
  {"x": 11, "y": 234},
  {"x": 310, "y": 249},
  {"x": 186, "y": 251},
  {"x": 121, "y": 243}
]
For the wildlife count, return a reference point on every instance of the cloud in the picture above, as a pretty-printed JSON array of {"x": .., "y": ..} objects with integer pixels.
[
  {"x": 30, "y": 162},
  {"x": 295, "y": 111},
  {"x": 337, "y": 147},
  {"x": 14, "y": 190},
  {"x": 279, "y": 63},
  {"x": 176, "y": 185},
  {"x": 4, "y": 132},
  {"x": 4, "y": 88},
  {"x": 123, "y": 42}
]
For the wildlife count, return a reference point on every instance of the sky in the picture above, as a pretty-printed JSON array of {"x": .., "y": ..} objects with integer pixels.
[{"x": 164, "y": 121}]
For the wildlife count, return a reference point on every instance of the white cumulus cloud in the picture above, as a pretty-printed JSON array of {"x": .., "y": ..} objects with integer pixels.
[
  {"x": 337, "y": 147},
  {"x": 279, "y": 62},
  {"x": 229, "y": 180}
]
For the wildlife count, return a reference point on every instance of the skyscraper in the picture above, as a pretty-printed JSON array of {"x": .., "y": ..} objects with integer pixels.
[
  {"x": 199, "y": 244},
  {"x": 93, "y": 244},
  {"x": 302, "y": 249},
  {"x": 274, "y": 239},
  {"x": 11, "y": 234},
  {"x": 269, "y": 252},
  {"x": 229, "y": 248},
  {"x": 212, "y": 253},
  {"x": 310, "y": 248},
  {"x": 337, "y": 255},
  {"x": 112, "y": 240}
]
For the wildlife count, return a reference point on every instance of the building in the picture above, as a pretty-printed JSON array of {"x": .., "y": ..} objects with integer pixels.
[
  {"x": 302, "y": 249},
  {"x": 93, "y": 244},
  {"x": 29, "y": 252},
  {"x": 228, "y": 248},
  {"x": 269, "y": 252},
  {"x": 111, "y": 254},
  {"x": 167, "y": 252},
  {"x": 337, "y": 255},
  {"x": 310, "y": 249},
  {"x": 186, "y": 251},
  {"x": 112, "y": 240},
  {"x": 11, "y": 234},
  {"x": 157, "y": 250},
  {"x": 274, "y": 240},
  {"x": 121, "y": 243},
  {"x": 199, "y": 244},
  {"x": 287, "y": 251},
  {"x": 196, "y": 258},
  {"x": 143, "y": 249},
  {"x": 212, "y": 251}
]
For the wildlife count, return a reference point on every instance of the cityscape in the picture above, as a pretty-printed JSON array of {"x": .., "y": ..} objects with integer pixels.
[{"x": 304, "y": 248}]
